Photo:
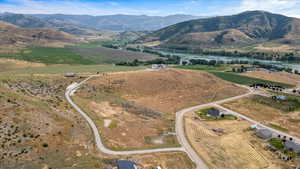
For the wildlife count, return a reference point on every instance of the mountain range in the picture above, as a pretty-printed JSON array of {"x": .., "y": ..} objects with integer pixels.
[
  {"x": 243, "y": 29},
  {"x": 79, "y": 24}
]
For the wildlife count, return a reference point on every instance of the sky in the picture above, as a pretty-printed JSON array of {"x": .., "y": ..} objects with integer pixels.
[{"x": 150, "y": 7}]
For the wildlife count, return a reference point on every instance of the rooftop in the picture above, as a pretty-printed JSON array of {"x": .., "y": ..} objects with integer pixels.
[{"x": 125, "y": 164}]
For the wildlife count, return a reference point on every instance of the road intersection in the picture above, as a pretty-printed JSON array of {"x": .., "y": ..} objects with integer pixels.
[{"x": 180, "y": 131}]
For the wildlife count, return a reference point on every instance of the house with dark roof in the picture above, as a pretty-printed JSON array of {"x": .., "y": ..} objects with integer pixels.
[
  {"x": 264, "y": 134},
  {"x": 213, "y": 112},
  {"x": 292, "y": 146},
  {"x": 125, "y": 164}
]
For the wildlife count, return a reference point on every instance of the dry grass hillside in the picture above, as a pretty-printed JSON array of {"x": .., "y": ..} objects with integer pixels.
[
  {"x": 169, "y": 90},
  {"x": 13, "y": 38},
  {"x": 136, "y": 110}
]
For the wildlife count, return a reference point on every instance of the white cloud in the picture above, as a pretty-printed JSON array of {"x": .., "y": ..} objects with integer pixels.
[
  {"x": 195, "y": 7},
  {"x": 288, "y": 7},
  {"x": 71, "y": 7}
]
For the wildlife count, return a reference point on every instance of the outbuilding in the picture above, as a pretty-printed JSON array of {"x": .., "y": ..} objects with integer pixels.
[
  {"x": 125, "y": 164},
  {"x": 264, "y": 134},
  {"x": 292, "y": 146},
  {"x": 70, "y": 74},
  {"x": 213, "y": 112}
]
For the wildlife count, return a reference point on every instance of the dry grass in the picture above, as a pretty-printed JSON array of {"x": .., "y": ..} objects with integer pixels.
[
  {"x": 282, "y": 77},
  {"x": 266, "y": 114},
  {"x": 169, "y": 90},
  {"x": 12, "y": 64},
  {"x": 155, "y": 97},
  {"x": 233, "y": 149}
]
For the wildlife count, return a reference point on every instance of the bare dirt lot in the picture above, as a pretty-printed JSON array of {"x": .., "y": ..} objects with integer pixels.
[
  {"x": 269, "y": 115},
  {"x": 140, "y": 106},
  {"x": 233, "y": 148},
  {"x": 282, "y": 77}
]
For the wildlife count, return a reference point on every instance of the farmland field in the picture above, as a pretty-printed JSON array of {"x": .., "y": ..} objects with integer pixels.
[
  {"x": 244, "y": 80},
  {"x": 108, "y": 55},
  {"x": 282, "y": 77},
  {"x": 61, "y": 69},
  {"x": 85, "y": 54},
  {"x": 48, "y": 56}
]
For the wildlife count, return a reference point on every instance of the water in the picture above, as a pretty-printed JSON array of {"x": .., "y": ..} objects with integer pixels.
[{"x": 293, "y": 66}]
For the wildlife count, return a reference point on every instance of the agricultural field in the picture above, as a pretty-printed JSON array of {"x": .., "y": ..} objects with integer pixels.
[
  {"x": 48, "y": 55},
  {"x": 281, "y": 115},
  {"x": 62, "y": 69},
  {"x": 224, "y": 149},
  {"x": 137, "y": 110},
  {"x": 245, "y": 80},
  {"x": 108, "y": 55},
  {"x": 219, "y": 68},
  {"x": 281, "y": 77}
]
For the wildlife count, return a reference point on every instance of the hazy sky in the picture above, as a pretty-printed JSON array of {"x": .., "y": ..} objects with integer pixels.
[{"x": 150, "y": 7}]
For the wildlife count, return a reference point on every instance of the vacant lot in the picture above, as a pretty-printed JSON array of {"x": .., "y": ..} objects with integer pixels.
[
  {"x": 273, "y": 113},
  {"x": 281, "y": 77},
  {"x": 137, "y": 110},
  {"x": 232, "y": 148}
]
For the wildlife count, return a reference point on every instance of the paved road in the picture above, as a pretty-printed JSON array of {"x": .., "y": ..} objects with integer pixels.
[{"x": 180, "y": 133}]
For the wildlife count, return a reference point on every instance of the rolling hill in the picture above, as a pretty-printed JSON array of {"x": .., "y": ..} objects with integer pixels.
[
  {"x": 13, "y": 38},
  {"x": 79, "y": 24},
  {"x": 243, "y": 29}
]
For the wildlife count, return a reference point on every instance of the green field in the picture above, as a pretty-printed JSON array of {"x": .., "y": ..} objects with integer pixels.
[
  {"x": 61, "y": 69},
  {"x": 206, "y": 68},
  {"x": 48, "y": 56},
  {"x": 244, "y": 80}
]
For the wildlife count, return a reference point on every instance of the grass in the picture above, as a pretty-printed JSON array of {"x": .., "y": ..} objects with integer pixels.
[
  {"x": 244, "y": 80},
  {"x": 62, "y": 69},
  {"x": 277, "y": 127},
  {"x": 291, "y": 104},
  {"x": 203, "y": 115},
  {"x": 205, "y": 68},
  {"x": 48, "y": 56},
  {"x": 277, "y": 143}
]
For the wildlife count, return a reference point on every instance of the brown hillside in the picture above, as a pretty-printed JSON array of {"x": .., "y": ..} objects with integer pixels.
[
  {"x": 170, "y": 90},
  {"x": 13, "y": 38}
]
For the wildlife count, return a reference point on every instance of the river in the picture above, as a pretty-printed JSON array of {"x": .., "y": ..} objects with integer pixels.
[{"x": 293, "y": 66}]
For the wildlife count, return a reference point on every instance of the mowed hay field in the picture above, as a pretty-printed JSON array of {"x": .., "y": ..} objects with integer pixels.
[
  {"x": 136, "y": 110},
  {"x": 282, "y": 77},
  {"x": 272, "y": 116},
  {"x": 232, "y": 149}
]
